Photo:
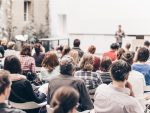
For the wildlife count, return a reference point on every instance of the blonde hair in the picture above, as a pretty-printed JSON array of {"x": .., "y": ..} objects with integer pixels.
[
  {"x": 86, "y": 62},
  {"x": 74, "y": 55}
]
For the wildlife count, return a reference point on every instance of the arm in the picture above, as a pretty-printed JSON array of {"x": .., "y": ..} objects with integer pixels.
[
  {"x": 33, "y": 65},
  {"x": 85, "y": 101},
  {"x": 30, "y": 93}
]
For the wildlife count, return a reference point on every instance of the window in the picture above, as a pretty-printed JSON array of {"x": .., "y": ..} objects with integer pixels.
[{"x": 27, "y": 10}]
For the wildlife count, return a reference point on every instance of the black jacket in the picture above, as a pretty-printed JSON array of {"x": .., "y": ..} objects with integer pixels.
[
  {"x": 21, "y": 91},
  {"x": 5, "y": 109}
]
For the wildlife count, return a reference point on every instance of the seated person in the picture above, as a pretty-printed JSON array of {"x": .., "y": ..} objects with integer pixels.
[
  {"x": 96, "y": 58},
  {"x": 118, "y": 96},
  {"x": 135, "y": 78},
  {"x": 91, "y": 79},
  {"x": 66, "y": 78},
  {"x": 11, "y": 49},
  {"x": 50, "y": 66},
  {"x": 65, "y": 100},
  {"x": 141, "y": 65},
  {"x": 104, "y": 70},
  {"x": 5, "y": 87},
  {"x": 38, "y": 55},
  {"x": 112, "y": 53},
  {"x": 21, "y": 90}
]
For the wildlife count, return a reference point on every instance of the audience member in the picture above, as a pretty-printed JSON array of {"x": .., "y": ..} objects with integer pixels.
[
  {"x": 147, "y": 44},
  {"x": 11, "y": 49},
  {"x": 76, "y": 46},
  {"x": 50, "y": 66},
  {"x": 141, "y": 65},
  {"x": 65, "y": 51},
  {"x": 104, "y": 70},
  {"x": 112, "y": 53},
  {"x": 27, "y": 62},
  {"x": 75, "y": 56},
  {"x": 38, "y": 55},
  {"x": 65, "y": 100},
  {"x": 5, "y": 88},
  {"x": 120, "y": 52},
  {"x": 118, "y": 96},
  {"x": 96, "y": 59},
  {"x": 2, "y": 51},
  {"x": 127, "y": 48},
  {"x": 135, "y": 78},
  {"x": 91, "y": 79},
  {"x": 21, "y": 90},
  {"x": 66, "y": 78}
]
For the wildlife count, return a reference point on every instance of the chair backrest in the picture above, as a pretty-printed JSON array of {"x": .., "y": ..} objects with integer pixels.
[
  {"x": 49, "y": 109},
  {"x": 27, "y": 105}
]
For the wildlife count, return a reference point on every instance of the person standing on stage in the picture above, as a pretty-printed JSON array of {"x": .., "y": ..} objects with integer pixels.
[{"x": 119, "y": 35}]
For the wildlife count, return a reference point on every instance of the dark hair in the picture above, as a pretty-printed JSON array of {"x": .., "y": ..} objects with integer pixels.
[
  {"x": 143, "y": 54},
  {"x": 128, "y": 45},
  {"x": 50, "y": 61},
  {"x": 26, "y": 50},
  {"x": 67, "y": 65},
  {"x": 114, "y": 46},
  {"x": 120, "y": 52},
  {"x": 128, "y": 57},
  {"x": 37, "y": 48},
  {"x": 12, "y": 64},
  {"x": 76, "y": 43},
  {"x": 105, "y": 64},
  {"x": 147, "y": 43},
  {"x": 60, "y": 47},
  {"x": 92, "y": 49},
  {"x": 64, "y": 99},
  {"x": 4, "y": 80},
  {"x": 120, "y": 70}
]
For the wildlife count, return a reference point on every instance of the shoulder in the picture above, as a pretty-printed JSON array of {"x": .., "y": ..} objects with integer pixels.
[{"x": 12, "y": 110}]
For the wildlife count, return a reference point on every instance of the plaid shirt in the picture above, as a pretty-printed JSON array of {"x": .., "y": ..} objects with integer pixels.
[
  {"x": 27, "y": 63},
  {"x": 92, "y": 80}
]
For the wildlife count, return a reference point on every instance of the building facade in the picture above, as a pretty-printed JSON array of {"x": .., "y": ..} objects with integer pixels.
[{"x": 28, "y": 17}]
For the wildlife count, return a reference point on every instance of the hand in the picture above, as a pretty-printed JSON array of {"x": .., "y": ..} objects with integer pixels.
[{"x": 128, "y": 85}]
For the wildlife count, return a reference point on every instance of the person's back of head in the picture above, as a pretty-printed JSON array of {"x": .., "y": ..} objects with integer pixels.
[
  {"x": 142, "y": 54},
  {"x": 76, "y": 43},
  {"x": 128, "y": 57},
  {"x": 127, "y": 46},
  {"x": 146, "y": 43},
  {"x": 11, "y": 45},
  {"x": 66, "y": 50},
  {"x": 26, "y": 50},
  {"x": 65, "y": 100},
  {"x": 5, "y": 84},
  {"x": 114, "y": 46},
  {"x": 12, "y": 64},
  {"x": 120, "y": 70},
  {"x": 50, "y": 61},
  {"x": 105, "y": 64},
  {"x": 92, "y": 49},
  {"x": 86, "y": 63},
  {"x": 37, "y": 48},
  {"x": 67, "y": 65},
  {"x": 120, "y": 52}
]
